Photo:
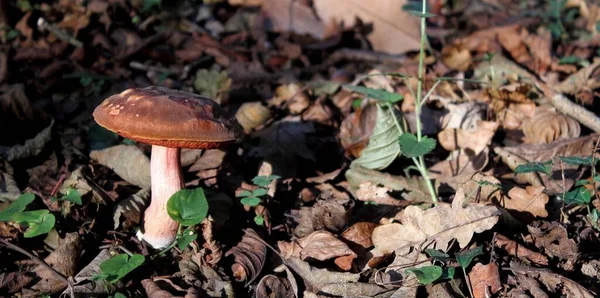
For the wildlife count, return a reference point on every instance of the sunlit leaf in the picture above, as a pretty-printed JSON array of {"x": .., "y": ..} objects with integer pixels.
[
  {"x": 427, "y": 274},
  {"x": 186, "y": 239},
  {"x": 578, "y": 196},
  {"x": 383, "y": 147},
  {"x": 410, "y": 147},
  {"x": 465, "y": 258},
  {"x": 17, "y": 206},
  {"x": 120, "y": 265},
  {"x": 188, "y": 206}
]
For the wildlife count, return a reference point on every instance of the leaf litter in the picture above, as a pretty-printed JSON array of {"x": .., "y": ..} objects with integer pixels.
[{"x": 327, "y": 97}]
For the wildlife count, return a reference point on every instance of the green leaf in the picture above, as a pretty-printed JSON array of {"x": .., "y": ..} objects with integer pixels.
[
  {"x": 259, "y": 192},
  {"x": 569, "y": 60},
  {"x": 436, "y": 254},
  {"x": 120, "y": 265},
  {"x": 377, "y": 94},
  {"x": 149, "y": 4},
  {"x": 582, "y": 182},
  {"x": 17, "y": 206},
  {"x": 29, "y": 216},
  {"x": 542, "y": 167},
  {"x": 188, "y": 206},
  {"x": 578, "y": 196},
  {"x": 578, "y": 161},
  {"x": 264, "y": 181},
  {"x": 487, "y": 183},
  {"x": 119, "y": 295},
  {"x": 259, "y": 220},
  {"x": 448, "y": 273},
  {"x": 42, "y": 226},
  {"x": 383, "y": 147},
  {"x": 356, "y": 103},
  {"x": 410, "y": 147},
  {"x": 250, "y": 201},
  {"x": 426, "y": 274},
  {"x": 244, "y": 193},
  {"x": 186, "y": 239},
  {"x": 72, "y": 196},
  {"x": 465, "y": 258}
]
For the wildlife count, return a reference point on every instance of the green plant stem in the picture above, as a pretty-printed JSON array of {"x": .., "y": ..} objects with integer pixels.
[{"x": 421, "y": 70}]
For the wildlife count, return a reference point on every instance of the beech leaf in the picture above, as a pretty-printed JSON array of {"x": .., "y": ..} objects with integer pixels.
[{"x": 383, "y": 147}]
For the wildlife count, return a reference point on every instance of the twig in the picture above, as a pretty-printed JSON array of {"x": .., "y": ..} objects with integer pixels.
[
  {"x": 575, "y": 111},
  {"x": 59, "y": 275},
  {"x": 44, "y": 25}
]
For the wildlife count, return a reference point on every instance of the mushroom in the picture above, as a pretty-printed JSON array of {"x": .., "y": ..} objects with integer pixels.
[{"x": 168, "y": 120}]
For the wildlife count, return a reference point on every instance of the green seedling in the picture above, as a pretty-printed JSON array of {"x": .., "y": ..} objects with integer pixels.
[
  {"x": 117, "y": 267},
  {"x": 38, "y": 221},
  {"x": 254, "y": 198}
]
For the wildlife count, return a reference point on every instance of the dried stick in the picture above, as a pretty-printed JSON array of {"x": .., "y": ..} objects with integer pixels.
[
  {"x": 59, "y": 275},
  {"x": 575, "y": 111}
]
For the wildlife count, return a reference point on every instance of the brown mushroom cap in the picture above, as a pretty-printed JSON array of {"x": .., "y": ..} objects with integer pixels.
[{"x": 168, "y": 118}]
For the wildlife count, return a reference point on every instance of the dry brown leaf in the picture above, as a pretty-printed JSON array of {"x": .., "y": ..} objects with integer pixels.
[
  {"x": 278, "y": 14},
  {"x": 271, "y": 286},
  {"x": 357, "y": 128},
  {"x": 512, "y": 40},
  {"x": 556, "y": 283},
  {"x": 360, "y": 234},
  {"x": 322, "y": 245},
  {"x": 368, "y": 192},
  {"x": 63, "y": 259},
  {"x": 531, "y": 201},
  {"x": 315, "y": 278},
  {"x": 581, "y": 80},
  {"x": 252, "y": 115},
  {"x": 548, "y": 126},
  {"x": 462, "y": 165},
  {"x": 154, "y": 291},
  {"x": 515, "y": 249},
  {"x": 249, "y": 255},
  {"x": 129, "y": 162},
  {"x": 552, "y": 237},
  {"x": 514, "y": 156},
  {"x": 485, "y": 280},
  {"x": 540, "y": 47},
  {"x": 293, "y": 97},
  {"x": 475, "y": 140},
  {"x": 456, "y": 56},
  {"x": 12, "y": 282},
  {"x": 331, "y": 214},
  {"x": 384, "y": 14},
  {"x": 440, "y": 225}
]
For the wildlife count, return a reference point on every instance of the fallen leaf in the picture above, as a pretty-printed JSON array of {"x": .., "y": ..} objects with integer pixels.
[
  {"x": 13, "y": 282},
  {"x": 413, "y": 190},
  {"x": 271, "y": 286},
  {"x": 591, "y": 269},
  {"x": 360, "y": 234},
  {"x": 316, "y": 279},
  {"x": 440, "y": 225},
  {"x": 129, "y": 162},
  {"x": 153, "y": 290},
  {"x": 367, "y": 192},
  {"x": 515, "y": 249},
  {"x": 548, "y": 126},
  {"x": 475, "y": 140},
  {"x": 556, "y": 283},
  {"x": 249, "y": 257},
  {"x": 322, "y": 245},
  {"x": 485, "y": 280},
  {"x": 331, "y": 214},
  {"x": 63, "y": 259},
  {"x": 462, "y": 165},
  {"x": 84, "y": 279},
  {"x": 9, "y": 190},
  {"x": 581, "y": 80},
  {"x": 532, "y": 201},
  {"x": 456, "y": 56},
  {"x": 213, "y": 84},
  {"x": 131, "y": 208},
  {"x": 552, "y": 237},
  {"x": 383, "y": 15},
  {"x": 357, "y": 128}
]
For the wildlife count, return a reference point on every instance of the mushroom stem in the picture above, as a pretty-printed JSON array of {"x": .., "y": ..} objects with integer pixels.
[{"x": 166, "y": 178}]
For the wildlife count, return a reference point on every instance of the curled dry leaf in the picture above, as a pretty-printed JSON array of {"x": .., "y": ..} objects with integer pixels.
[
  {"x": 316, "y": 279},
  {"x": 330, "y": 214},
  {"x": 85, "y": 285},
  {"x": 555, "y": 283},
  {"x": 514, "y": 156},
  {"x": 515, "y": 114},
  {"x": 249, "y": 256},
  {"x": 271, "y": 286},
  {"x": 485, "y": 280},
  {"x": 360, "y": 234},
  {"x": 12, "y": 282},
  {"x": 131, "y": 208},
  {"x": 63, "y": 259},
  {"x": 252, "y": 115},
  {"x": 357, "y": 128},
  {"x": 9, "y": 190},
  {"x": 515, "y": 249},
  {"x": 475, "y": 140},
  {"x": 154, "y": 291},
  {"x": 129, "y": 162},
  {"x": 456, "y": 56},
  {"x": 320, "y": 245},
  {"x": 293, "y": 97},
  {"x": 581, "y": 80},
  {"x": 552, "y": 237},
  {"x": 548, "y": 126},
  {"x": 440, "y": 225},
  {"x": 532, "y": 201}
]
